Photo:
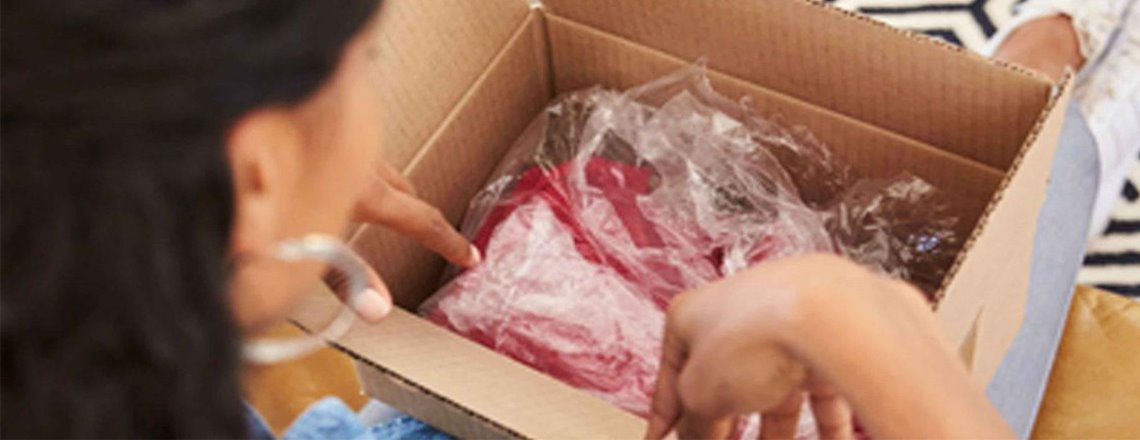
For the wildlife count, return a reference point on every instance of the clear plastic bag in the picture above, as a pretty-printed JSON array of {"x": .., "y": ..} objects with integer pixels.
[
  {"x": 611, "y": 203},
  {"x": 902, "y": 227}
]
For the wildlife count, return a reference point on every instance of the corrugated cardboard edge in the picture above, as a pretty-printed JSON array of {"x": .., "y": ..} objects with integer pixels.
[
  {"x": 411, "y": 275},
  {"x": 398, "y": 384},
  {"x": 524, "y": 27},
  {"x": 1015, "y": 94},
  {"x": 407, "y": 395},
  {"x": 761, "y": 98},
  {"x": 1059, "y": 95},
  {"x": 440, "y": 400},
  {"x": 439, "y": 411},
  {"x": 984, "y": 326},
  {"x": 918, "y": 36},
  {"x": 461, "y": 387},
  {"x": 410, "y": 36},
  {"x": 982, "y": 355}
]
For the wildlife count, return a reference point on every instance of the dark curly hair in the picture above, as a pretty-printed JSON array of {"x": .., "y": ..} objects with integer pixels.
[{"x": 117, "y": 202}]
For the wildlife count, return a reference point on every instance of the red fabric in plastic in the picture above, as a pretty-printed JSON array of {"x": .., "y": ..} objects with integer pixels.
[{"x": 566, "y": 332}]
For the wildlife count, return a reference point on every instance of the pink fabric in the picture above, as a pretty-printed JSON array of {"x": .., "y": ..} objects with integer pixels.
[{"x": 578, "y": 291}]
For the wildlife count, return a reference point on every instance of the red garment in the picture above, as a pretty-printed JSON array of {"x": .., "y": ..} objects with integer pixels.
[
  {"x": 618, "y": 185},
  {"x": 575, "y": 277},
  {"x": 539, "y": 300}
]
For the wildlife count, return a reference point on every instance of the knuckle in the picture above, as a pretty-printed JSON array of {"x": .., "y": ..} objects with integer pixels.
[
  {"x": 436, "y": 223},
  {"x": 659, "y": 409},
  {"x": 705, "y": 395},
  {"x": 379, "y": 190},
  {"x": 409, "y": 187},
  {"x": 441, "y": 236},
  {"x": 792, "y": 372},
  {"x": 678, "y": 308},
  {"x": 675, "y": 306}
]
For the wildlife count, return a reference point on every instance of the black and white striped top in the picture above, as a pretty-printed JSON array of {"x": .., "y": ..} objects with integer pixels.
[{"x": 1112, "y": 261}]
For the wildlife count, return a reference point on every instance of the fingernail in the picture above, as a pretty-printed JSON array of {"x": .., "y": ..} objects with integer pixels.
[
  {"x": 373, "y": 305},
  {"x": 476, "y": 257}
]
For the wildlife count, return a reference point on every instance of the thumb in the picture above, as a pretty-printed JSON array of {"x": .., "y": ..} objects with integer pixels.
[
  {"x": 372, "y": 303},
  {"x": 375, "y": 302}
]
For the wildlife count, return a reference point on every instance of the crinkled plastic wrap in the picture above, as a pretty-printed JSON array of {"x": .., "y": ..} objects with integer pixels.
[{"x": 611, "y": 203}]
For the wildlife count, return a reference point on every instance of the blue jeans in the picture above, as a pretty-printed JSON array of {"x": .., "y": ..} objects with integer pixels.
[
  {"x": 330, "y": 418},
  {"x": 1058, "y": 248}
]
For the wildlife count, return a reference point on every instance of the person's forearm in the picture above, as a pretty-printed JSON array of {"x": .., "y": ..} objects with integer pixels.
[
  {"x": 916, "y": 395},
  {"x": 900, "y": 378}
]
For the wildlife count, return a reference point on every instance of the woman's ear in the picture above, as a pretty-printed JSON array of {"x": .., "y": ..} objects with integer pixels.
[{"x": 264, "y": 149}]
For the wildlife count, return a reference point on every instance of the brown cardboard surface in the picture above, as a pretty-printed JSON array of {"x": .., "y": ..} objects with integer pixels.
[
  {"x": 583, "y": 56},
  {"x": 442, "y": 378},
  {"x": 421, "y": 72},
  {"x": 901, "y": 81},
  {"x": 989, "y": 284},
  {"x": 457, "y": 159},
  {"x": 883, "y": 99}
]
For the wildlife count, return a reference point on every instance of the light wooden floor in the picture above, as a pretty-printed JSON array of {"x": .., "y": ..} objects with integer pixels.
[{"x": 281, "y": 392}]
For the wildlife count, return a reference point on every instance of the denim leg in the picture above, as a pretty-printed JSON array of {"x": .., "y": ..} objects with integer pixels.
[{"x": 1058, "y": 248}]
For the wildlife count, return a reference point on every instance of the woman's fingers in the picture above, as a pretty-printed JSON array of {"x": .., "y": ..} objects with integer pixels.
[
  {"x": 373, "y": 303},
  {"x": 395, "y": 179},
  {"x": 665, "y": 409},
  {"x": 832, "y": 416},
  {"x": 695, "y": 426},
  {"x": 781, "y": 422},
  {"x": 413, "y": 217}
]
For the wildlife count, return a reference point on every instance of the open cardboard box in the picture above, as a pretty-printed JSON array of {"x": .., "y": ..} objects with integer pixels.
[{"x": 460, "y": 80}]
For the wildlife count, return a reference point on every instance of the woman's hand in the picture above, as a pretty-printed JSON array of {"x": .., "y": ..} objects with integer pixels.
[
  {"x": 391, "y": 201},
  {"x": 757, "y": 341}
]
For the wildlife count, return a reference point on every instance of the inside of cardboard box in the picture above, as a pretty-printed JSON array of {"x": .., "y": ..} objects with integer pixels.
[
  {"x": 452, "y": 130},
  {"x": 551, "y": 55},
  {"x": 916, "y": 86},
  {"x": 583, "y": 56},
  {"x": 417, "y": 93}
]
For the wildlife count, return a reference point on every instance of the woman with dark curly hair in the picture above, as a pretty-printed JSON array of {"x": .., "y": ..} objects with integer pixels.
[
  {"x": 151, "y": 150},
  {"x": 164, "y": 161}
]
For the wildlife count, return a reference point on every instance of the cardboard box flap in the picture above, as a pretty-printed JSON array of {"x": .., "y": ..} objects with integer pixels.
[
  {"x": 447, "y": 370},
  {"x": 429, "y": 52},
  {"x": 462, "y": 79},
  {"x": 583, "y": 57},
  {"x": 894, "y": 79},
  {"x": 984, "y": 295}
]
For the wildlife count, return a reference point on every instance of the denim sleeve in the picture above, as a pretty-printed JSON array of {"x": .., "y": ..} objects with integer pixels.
[
  {"x": 331, "y": 418},
  {"x": 258, "y": 429}
]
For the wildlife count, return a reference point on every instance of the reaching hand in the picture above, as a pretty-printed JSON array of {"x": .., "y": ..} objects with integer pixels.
[
  {"x": 391, "y": 202},
  {"x": 820, "y": 325}
]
